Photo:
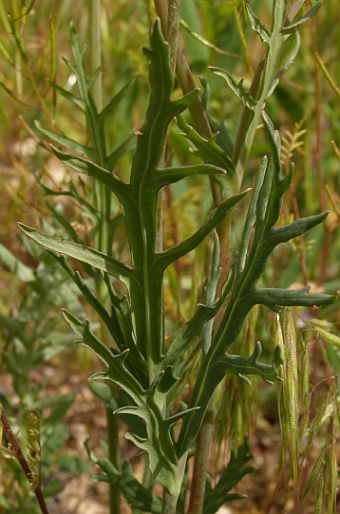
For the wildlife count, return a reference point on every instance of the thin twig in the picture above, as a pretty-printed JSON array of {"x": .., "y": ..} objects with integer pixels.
[{"x": 21, "y": 458}]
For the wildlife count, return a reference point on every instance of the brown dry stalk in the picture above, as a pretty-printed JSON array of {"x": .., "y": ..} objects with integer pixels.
[{"x": 21, "y": 458}]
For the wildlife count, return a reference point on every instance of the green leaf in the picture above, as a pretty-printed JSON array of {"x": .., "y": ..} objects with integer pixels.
[
  {"x": 168, "y": 256},
  {"x": 241, "y": 366},
  {"x": 166, "y": 176},
  {"x": 67, "y": 142},
  {"x": 265, "y": 210},
  {"x": 188, "y": 333},
  {"x": 258, "y": 26},
  {"x": 73, "y": 464},
  {"x": 312, "y": 11},
  {"x": 58, "y": 405},
  {"x": 207, "y": 150},
  {"x": 23, "y": 272},
  {"x": 117, "y": 153},
  {"x": 82, "y": 253},
  {"x": 117, "y": 371},
  {"x": 272, "y": 298},
  {"x": 101, "y": 390},
  {"x": 231, "y": 476},
  {"x": 288, "y": 59},
  {"x": 161, "y": 109},
  {"x": 237, "y": 87},
  {"x": 109, "y": 108},
  {"x": 137, "y": 496},
  {"x": 16, "y": 328},
  {"x": 69, "y": 96},
  {"x": 95, "y": 171},
  {"x": 251, "y": 216},
  {"x": 223, "y": 138}
]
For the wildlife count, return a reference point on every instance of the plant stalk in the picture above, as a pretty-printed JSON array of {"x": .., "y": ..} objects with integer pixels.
[
  {"x": 103, "y": 200},
  {"x": 169, "y": 503},
  {"x": 202, "y": 450},
  {"x": 202, "y": 125},
  {"x": 21, "y": 458}
]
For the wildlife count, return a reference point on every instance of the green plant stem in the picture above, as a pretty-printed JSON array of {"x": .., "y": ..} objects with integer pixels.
[
  {"x": 202, "y": 449},
  {"x": 21, "y": 458},
  {"x": 264, "y": 77},
  {"x": 318, "y": 153},
  {"x": 242, "y": 37},
  {"x": 95, "y": 51},
  {"x": 103, "y": 195},
  {"x": 171, "y": 35},
  {"x": 169, "y": 503},
  {"x": 201, "y": 124},
  {"x": 247, "y": 114},
  {"x": 103, "y": 200},
  {"x": 172, "y": 31},
  {"x": 187, "y": 84}
]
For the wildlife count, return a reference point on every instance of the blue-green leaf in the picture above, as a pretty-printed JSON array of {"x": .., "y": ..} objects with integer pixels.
[
  {"x": 258, "y": 26},
  {"x": 241, "y": 366},
  {"x": 91, "y": 169},
  {"x": 67, "y": 142},
  {"x": 231, "y": 476},
  {"x": 207, "y": 150},
  {"x": 168, "y": 256},
  {"x": 166, "y": 176},
  {"x": 312, "y": 11},
  {"x": 237, "y": 87},
  {"x": 137, "y": 496},
  {"x": 82, "y": 253}
]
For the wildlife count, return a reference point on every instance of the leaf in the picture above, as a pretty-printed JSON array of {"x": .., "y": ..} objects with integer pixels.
[
  {"x": 161, "y": 109},
  {"x": 58, "y": 405},
  {"x": 109, "y": 108},
  {"x": 83, "y": 253},
  {"x": 251, "y": 216},
  {"x": 223, "y": 138},
  {"x": 258, "y": 26},
  {"x": 94, "y": 170},
  {"x": 68, "y": 95},
  {"x": 210, "y": 293},
  {"x": 73, "y": 464},
  {"x": 168, "y": 256},
  {"x": 237, "y": 87},
  {"x": 115, "y": 363},
  {"x": 167, "y": 176},
  {"x": 188, "y": 333},
  {"x": 273, "y": 297},
  {"x": 312, "y": 11},
  {"x": 265, "y": 211},
  {"x": 289, "y": 57},
  {"x": 117, "y": 153},
  {"x": 207, "y": 150},
  {"x": 67, "y": 142},
  {"x": 231, "y": 476},
  {"x": 23, "y": 272},
  {"x": 137, "y": 496},
  {"x": 158, "y": 444},
  {"x": 241, "y": 366},
  {"x": 16, "y": 328}
]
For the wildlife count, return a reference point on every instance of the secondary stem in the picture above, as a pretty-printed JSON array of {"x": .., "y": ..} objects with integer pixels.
[{"x": 21, "y": 458}]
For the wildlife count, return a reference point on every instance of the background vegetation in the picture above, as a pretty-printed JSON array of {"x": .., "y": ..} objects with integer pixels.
[{"x": 293, "y": 431}]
